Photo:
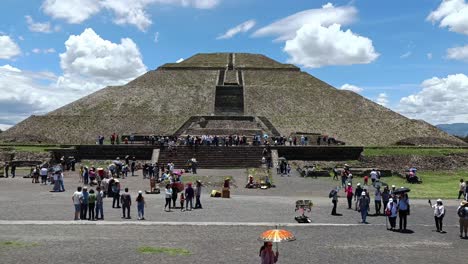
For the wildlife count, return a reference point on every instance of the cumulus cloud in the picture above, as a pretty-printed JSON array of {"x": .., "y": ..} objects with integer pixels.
[
  {"x": 316, "y": 46},
  {"x": 351, "y": 87},
  {"x": 44, "y": 51},
  {"x": 89, "y": 63},
  {"x": 286, "y": 28},
  {"x": 44, "y": 27},
  {"x": 458, "y": 53},
  {"x": 452, "y": 14},
  {"x": 314, "y": 38},
  {"x": 405, "y": 55},
  {"x": 8, "y": 48},
  {"x": 132, "y": 12},
  {"x": 241, "y": 28},
  {"x": 441, "y": 100},
  {"x": 382, "y": 99}
]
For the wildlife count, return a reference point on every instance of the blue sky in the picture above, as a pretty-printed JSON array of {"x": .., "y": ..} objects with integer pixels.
[{"x": 410, "y": 56}]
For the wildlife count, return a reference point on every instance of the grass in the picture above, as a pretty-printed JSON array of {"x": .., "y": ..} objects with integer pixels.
[
  {"x": 16, "y": 244},
  {"x": 162, "y": 250},
  {"x": 30, "y": 148},
  {"x": 396, "y": 151},
  {"x": 436, "y": 184}
]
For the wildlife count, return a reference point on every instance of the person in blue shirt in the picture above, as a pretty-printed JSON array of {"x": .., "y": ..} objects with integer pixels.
[
  {"x": 84, "y": 203},
  {"x": 403, "y": 210}
]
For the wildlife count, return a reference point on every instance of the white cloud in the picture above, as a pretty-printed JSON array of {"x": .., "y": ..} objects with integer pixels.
[
  {"x": 452, "y": 14},
  {"x": 382, "y": 99},
  {"x": 72, "y": 11},
  {"x": 241, "y": 28},
  {"x": 88, "y": 64},
  {"x": 441, "y": 100},
  {"x": 44, "y": 51},
  {"x": 351, "y": 87},
  {"x": 286, "y": 28},
  {"x": 458, "y": 53},
  {"x": 37, "y": 26},
  {"x": 405, "y": 55},
  {"x": 156, "y": 37},
  {"x": 180, "y": 60},
  {"x": 316, "y": 46},
  {"x": 8, "y": 48},
  {"x": 132, "y": 12},
  {"x": 429, "y": 56}
]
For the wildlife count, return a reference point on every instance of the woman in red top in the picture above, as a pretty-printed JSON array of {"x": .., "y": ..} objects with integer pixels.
[{"x": 349, "y": 194}]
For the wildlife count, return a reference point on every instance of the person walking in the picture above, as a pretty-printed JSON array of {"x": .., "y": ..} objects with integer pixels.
[
  {"x": 385, "y": 197},
  {"x": 349, "y": 194},
  {"x": 403, "y": 211},
  {"x": 141, "y": 205},
  {"x": 461, "y": 188},
  {"x": 267, "y": 255},
  {"x": 391, "y": 212},
  {"x": 77, "y": 200},
  {"x": 378, "y": 200},
  {"x": 116, "y": 194},
  {"x": 334, "y": 196},
  {"x": 462, "y": 212},
  {"x": 357, "y": 195},
  {"x": 99, "y": 204},
  {"x": 198, "y": 191},
  {"x": 126, "y": 201},
  {"x": 189, "y": 192},
  {"x": 439, "y": 213},
  {"x": 168, "y": 196},
  {"x": 91, "y": 205},
  {"x": 363, "y": 207}
]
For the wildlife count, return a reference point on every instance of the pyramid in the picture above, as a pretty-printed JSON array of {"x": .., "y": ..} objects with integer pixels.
[{"x": 177, "y": 97}]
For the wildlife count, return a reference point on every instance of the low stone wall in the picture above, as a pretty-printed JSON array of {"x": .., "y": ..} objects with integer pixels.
[
  {"x": 325, "y": 153},
  {"x": 105, "y": 152}
]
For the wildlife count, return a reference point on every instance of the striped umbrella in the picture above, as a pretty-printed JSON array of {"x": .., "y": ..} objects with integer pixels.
[{"x": 277, "y": 235}]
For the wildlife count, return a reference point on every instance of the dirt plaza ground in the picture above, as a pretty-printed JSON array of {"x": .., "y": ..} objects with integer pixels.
[{"x": 36, "y": 226}]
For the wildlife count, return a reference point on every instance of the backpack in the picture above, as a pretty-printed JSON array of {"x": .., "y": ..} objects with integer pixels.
[
  {"x": 332, "y": 193},
  {"x": 461, "y": 212}
]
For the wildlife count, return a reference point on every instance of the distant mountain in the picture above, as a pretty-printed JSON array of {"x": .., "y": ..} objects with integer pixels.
[{"x": 457, "y": 129}]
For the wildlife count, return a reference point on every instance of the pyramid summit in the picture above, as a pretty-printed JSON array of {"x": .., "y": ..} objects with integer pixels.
[{"x": 226, "y": 93}]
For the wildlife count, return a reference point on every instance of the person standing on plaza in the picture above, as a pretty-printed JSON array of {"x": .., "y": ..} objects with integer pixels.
[
  {"x": 391, "y": 212},
  {"x": 198, "y": 191},
  {"x": 462, "y": 212},
  {"x": 126, "y": 201},
  {"x": 7, "y": 169},
  {"x": 13, "y": 170},
  {"x": 116, "y": 194},
  {"x": 141, "y": 205},
  {"x": 77, "y": 199},
  {"x": 461, "y": 188},
  {"x": 99, "y": 204},
  {"x": 385, "y": 197},
  {"x": 44, "y": 172},
  {"x": 403, "y": 211},
  {"x": 84, "y": 203},
  {"x": 357, "y": 195},
  {"x": 91, "y": 205},
  {"x": 363, "y": 206},
  {"x": 334, "y": 196},
  {"x": 378, "y": 200},
  {"x": 189, "y": 192},
  {"x": 182, "y": 201},
  {"x": 439, "y": 213},
  {"x": 267, "y": 255},
  {"x": 349, "y": 194},
  {"x": 168, "y": 196}
]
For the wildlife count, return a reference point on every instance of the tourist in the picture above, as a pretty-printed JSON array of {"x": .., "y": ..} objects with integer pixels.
[
  {"x": 7, "y": 168},
  {"x": 77, "y": 199},
  {"x": 86, "y": 175},
  {"x": 189, "y": 192},
  {"x": 403, "y": 211},
  {"x": 334, "y": 196},
  {"x": 357, "y": 195},
  {"x": 366, "y": 180},
  {"x": 349, "y": 178},
  {"x": 175, "y": 193},
  {"x": 385, "y": 197},
  {"x": 349, "y": 194},
  {"x": 168, "y": 196},
  {"x": 462, "y": 212},
  {"x": 198, "y": 191},
  {"x": 377, "y": 200},
  {"x": 140, "y": 206},
  {"x": 60, "y": 180},
  {"x": 182, "y": 201},
  {"x": 91, "y": 205},
  {"x": 133, "y": 167},
  {"x": 439, "y": 213},
  {"x": 461, "y": 188},
  {"x": 99, "y": 204},
  {"x": 126, "y": 201},
  {"x": 391, "y": 212},
  {"x": 84, "y": 203},
  {"x": 13, "y": 170},
  {"x": 44, "y": 171},
  {"x": 115, "y": 193},
  {"x": 373, "y": 175},
  {"x": 267, "y": 255},
  {"x": 335, "y": 173},
  {"x": 466, "y": 191},
  {"x": 363, "y": 206}
]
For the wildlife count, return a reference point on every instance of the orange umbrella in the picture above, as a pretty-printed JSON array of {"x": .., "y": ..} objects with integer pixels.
[{"x": 277, "y": 235}]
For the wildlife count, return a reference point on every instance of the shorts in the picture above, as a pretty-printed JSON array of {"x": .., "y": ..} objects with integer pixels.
[{"x": 77, "y": 207}]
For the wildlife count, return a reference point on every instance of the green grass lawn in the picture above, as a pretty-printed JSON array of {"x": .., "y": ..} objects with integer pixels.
[
  {"x": 30, "y": 148},
  {"x": 438, "y": 184},
  {"x": 402, "y": 151},
  {"x": 161, "y": 250}
]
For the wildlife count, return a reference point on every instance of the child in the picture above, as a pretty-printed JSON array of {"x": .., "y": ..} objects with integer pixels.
[
  {"x": 366, "y": 180},
  {"x": 182, "y": 201},
  {"x": 152, "y": 184}
]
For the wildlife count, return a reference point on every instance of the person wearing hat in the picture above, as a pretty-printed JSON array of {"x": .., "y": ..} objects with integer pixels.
[
  {"x": 403, "y": 211},
  {"x": 357, "y": 195},
  {"x": 349, "y": 194},
  {"x": 363, "y": 206},
  {"x": 198, "y": 191},
  {"x": 391, "y": 212},
  {"x": 141, "y": 205},
  {"x": 377, "y": 200},
  {"x": 189, "y": 192},
  {"x": 462, "y": 212},
  {"x": 439, "y": 212}
]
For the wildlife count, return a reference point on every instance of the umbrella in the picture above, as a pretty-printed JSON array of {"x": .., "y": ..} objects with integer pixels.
[
  {"x": 282, "y": 158},
  {"x": 277, "y": 235},
  {"x": 401, "y": 190}
]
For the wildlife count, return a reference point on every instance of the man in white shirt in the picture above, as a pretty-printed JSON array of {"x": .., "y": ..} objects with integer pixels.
[
  {"x": 77, "y": 198},
  {"x": 43, "y": 174},
  {"x": 373, "y": 175}
]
